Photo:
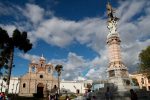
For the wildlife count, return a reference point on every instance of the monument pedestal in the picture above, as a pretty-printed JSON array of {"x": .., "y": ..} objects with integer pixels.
[{"x": 120, "y": 84}]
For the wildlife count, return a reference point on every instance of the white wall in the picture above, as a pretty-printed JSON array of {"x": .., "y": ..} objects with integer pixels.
[
  {"x": 73, "y": 86},
  {"x": 70, "y": 86},
  {"x": 13, "y": 86}
]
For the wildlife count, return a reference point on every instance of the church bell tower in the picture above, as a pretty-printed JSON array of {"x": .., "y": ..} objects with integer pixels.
[{"x": 117, "y": 71}]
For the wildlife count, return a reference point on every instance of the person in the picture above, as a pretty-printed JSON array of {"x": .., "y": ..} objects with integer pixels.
[
  {"x": 108, "y": 94},
  {"x": 1, "y": 97},
  {"x": 133, "y": 95},
  {"x": 51, "y": 97},
  {"x": 89, "y": 95},
  {"x": 67, "y": 98},
  {"x": 93, "y": 97},
  {"x": 56, "y": 96}
]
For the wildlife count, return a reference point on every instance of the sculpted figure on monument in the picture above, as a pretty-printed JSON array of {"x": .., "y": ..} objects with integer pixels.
[{"x": 112, "y": 21}]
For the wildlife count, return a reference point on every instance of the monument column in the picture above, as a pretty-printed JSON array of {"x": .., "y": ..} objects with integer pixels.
[{"x": 117, "y": 71}]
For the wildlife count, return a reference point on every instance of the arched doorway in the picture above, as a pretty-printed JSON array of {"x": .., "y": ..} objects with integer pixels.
[{"x": 40, "y": 88}]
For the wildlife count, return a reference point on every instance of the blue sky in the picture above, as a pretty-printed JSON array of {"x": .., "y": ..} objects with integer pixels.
[{"x": 73, "y": 33}]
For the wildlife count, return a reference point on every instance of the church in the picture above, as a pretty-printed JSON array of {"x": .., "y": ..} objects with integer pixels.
[{"x": 39, "y": 80}]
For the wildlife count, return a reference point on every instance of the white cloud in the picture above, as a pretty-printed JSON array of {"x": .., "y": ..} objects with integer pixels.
[
  {"x": 28, "y": 56},
  {"x": 79, "y": 78},
  {"x": 90, "y": 72},
  {"x": 56, "y": 31},
  {"x": 9, "y": 28},
  {"x": 128, "y": 9},
  {"x": 34, "y": 13},
  {"x": 72, "y": 65}
]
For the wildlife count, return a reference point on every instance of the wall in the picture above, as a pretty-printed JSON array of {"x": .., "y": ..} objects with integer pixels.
[
  {"x": 73, "y": 86},
  {"x": 142, "y": 80},
  {"x": 13, "y": 86}
]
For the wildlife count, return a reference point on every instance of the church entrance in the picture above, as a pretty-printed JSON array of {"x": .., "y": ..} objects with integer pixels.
[{"x": 40, "y": 88}]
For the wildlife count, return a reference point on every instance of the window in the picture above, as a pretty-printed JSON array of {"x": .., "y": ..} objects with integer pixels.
[
  {"x": 24, "y": 85},
  {"x": 142, "y": 80},
  {"x": 55, "y": 86},
  {"x": 33, "y": 69},
  {"x": 127, "y": 82},
  {"x": 41, "y": 76},
  {"x": 135, "y": 81},
  {"x": 148, "y": 79},
  {"x": 111, "y": 73},
  {"x": 77, "y": 91},
  {"x": 49, "y": 70}
]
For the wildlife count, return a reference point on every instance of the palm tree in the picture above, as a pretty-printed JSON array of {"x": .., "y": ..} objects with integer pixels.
[
  {"x": 58, "y": 69},
  {"x": 7, "y": 45}
]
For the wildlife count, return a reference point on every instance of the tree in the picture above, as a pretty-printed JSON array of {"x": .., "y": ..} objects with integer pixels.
[
  {"x": 144, "y": 58},
  {"x": 7, "y": 45},
  {"x": 58, "y": 69}
]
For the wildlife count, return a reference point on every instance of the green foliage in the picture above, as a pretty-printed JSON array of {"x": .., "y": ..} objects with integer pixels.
[
  {"x": 5, "y": 79},
  {"x": 7, "y": 44},
  {"x": 144, "y": 58},
  {"x": 58, "y": 68},
  {"x": 4, "y": 38}
]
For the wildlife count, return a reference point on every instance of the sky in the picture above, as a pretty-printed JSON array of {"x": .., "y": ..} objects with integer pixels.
[{"x": 73, "y": 33}]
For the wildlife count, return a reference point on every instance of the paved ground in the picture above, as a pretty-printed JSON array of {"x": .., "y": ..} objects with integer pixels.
[{"x": 79, "y": 98}]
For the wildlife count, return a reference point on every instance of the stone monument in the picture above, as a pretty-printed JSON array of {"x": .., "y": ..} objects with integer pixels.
[{"x": 117, "y": 71}]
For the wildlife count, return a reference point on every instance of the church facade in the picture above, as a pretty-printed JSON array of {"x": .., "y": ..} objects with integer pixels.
[{"x": 39, "y": 80}]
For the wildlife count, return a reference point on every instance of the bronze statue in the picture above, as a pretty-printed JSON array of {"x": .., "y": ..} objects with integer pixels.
[
  {"x": 112, "y": 20},
  {"x": 110, "y": 12}
]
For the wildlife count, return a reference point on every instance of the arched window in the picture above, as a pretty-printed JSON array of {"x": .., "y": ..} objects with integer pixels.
[
  {"x": 33, "y": 69},
  {"x": 24, "y": 85},
  {"x": 49, "y": 70},
  {"x": 142, "y": 80},
  {"x": 148, "y": 79}
]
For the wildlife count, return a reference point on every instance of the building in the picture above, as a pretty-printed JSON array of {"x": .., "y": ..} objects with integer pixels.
[
  {"x": 13, "y": 86},
  {"x": 141, "y": 80},
  {"x": 117, "y": 71},
  {"x": 75, "y": 86},
  {"x": 39, "y": 80}
]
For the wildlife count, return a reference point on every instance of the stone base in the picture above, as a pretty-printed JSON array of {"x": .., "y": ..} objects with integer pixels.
[{"x": 120, "y": 84}]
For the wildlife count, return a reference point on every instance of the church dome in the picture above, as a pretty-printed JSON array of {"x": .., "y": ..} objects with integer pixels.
[
  {"x": 42, "y": 58},
  {"x": 33, "y": 61}
]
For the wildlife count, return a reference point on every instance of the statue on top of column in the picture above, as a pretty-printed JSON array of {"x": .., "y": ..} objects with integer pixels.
[{"x": 112, "y": 21}]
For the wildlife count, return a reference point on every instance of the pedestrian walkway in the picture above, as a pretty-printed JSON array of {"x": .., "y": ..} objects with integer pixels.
[{"x": 80, "y": 98}]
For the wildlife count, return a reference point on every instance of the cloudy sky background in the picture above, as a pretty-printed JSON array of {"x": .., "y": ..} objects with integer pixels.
[{"x": 73, "y": 33}]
